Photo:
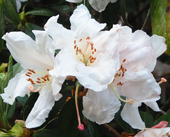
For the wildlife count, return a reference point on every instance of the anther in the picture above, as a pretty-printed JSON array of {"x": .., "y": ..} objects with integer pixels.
[
  {"x": 74, "y": 41},
  {"x": 80, "y": 40},
  {"x": 162, "y": 81},
  {"x": 27, "y": 75},
  {"x": 124, "y": 60}
]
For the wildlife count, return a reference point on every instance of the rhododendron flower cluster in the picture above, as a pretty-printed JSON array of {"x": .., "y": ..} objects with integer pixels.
[{"x": 108, "y": 64}]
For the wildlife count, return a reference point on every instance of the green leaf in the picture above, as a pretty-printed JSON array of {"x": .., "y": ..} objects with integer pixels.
[
  {"x": 66, "y": 92},
  {"x": 90, "y": 131},
  {"x": 11, "y": 110},
  {"x": 41, "y": 12},
  {"x": 147, "y": 119},
  {"x": 10, "y": 70},
  {"x": 62, "y": 8},
  {"x": 165, "y": 117},
  {"x": 45, "y": 133},
  {"x": 29, "y": 27},
  {"x": 160, "y": 20},
  {"x": 67, "y": 120},
  {"x": 11, "y": 11},
  {"x": 112, "y": 9},
  {"x": 2, "y": 24},
  {"x": 29, "y": 105},
  {"x": 52, "y": 125},
  {"x": 17, "y": 68},
  {"x": 22, "y": 100}
]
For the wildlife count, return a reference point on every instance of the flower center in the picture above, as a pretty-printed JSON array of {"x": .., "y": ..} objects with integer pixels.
[
  {"x": 85, "y": 51},
  {"x": 39, "y": 78}
]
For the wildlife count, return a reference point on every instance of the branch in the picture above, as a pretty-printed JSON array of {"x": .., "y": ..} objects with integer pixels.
[{"x": 112, "y": 130}]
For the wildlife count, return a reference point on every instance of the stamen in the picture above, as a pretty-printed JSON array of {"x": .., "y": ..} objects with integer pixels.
[
  {"x": 31, "y": 88},
  {"x": 126, "y": 101},
  {"x": 162, "y": 81},
  {"x": 27, "y": 75},
  {"x": 80, "y": 126}
]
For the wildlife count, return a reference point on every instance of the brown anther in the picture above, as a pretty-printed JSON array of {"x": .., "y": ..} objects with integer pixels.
[
  {"x": 31, "y": 70},
  {"x": 48, "y": 69},
  {"x": 68, "y": 99},
  {"x": 43, "y": 78},
  {"x": 75, "y": 46},
  {"x": 87, "y": 38},
  {"x": 74, "y": 41},
  {"x": 9, "y": 97},
  {"x": 38, "y": 82},
  {"x": 38, "y": 79},
  {"x": 94, "y": 50},
  {"x": 80, "y": 40},
  {"x": 124, "y": 60},
  {"x": 91, "y": 47},
  {"x": 125, "y": 69},
  {"x": 27, "y": 75}
]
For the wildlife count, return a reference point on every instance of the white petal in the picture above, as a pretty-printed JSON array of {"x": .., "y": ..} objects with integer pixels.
[
  {"x": 100, "y": 107},
  {"x": 100, "y": 5},
  {"x": 82, "y": 23},
  {"x": 154, "y": 132},
  {"x": 74, "y": 1},
  {"x": 17, "y": 86},
  {"x": 153, "y": 105},
  {"x": 41, "y": 108},
  {"x": 140, "y": 86},
  {"x": 60, "y": 35},
  {"x": 56, "y": 87},
  {"x": 158, "y": 44},
  {"x": 23, "y": 50},
  {"x": 18, "y": 3},
  {"x": 132, "y": 117},
  {"x": 137, "y": 49}
]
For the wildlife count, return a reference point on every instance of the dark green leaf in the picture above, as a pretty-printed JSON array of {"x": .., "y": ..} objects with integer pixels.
[
  {"x": 112, "y": 9},
  {"x": 2, "y": 24},
  {"x": 10, "y": 70},
  {"x": 22, "y": 100},
  {"x": 29, "y": 105},
  {"x": 147, "y": 119},
  {"x": 11, "y": 110},
  {"x": 67, "y": 120},
  {"x": 11, "y": 11},
  {"x": 66, "y": 92},
  {"x": 52, "y": 125},
  {"x": 45, "y": 133},
  {"x": 29, "y": 27},
  {"x": 62, "y": 8},
  {"x": 41, "y": 12},
  {"x": 165, "y": 117}
]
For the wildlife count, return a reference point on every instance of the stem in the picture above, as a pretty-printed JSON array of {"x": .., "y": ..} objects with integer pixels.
[
  {"x": 112, "y": 130},
  {"x": 147, "y": 16}
]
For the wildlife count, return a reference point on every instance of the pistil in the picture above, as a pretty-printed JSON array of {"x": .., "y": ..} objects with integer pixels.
[
  {"x": 126, "y": 101},
  {"x": 80, "y": 126}
]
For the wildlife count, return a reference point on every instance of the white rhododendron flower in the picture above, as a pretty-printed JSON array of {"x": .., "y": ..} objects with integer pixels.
[
  {"x": 98, "y": 5},
  {"x": 138, "y": 54},
  {"x": 87, "y": 53},
  {"x": 154, "y": 132},
  {"x": 91, "y": 56},
  {"x": 36, "y": 57},
  {"x": 18, "y": 3}
]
